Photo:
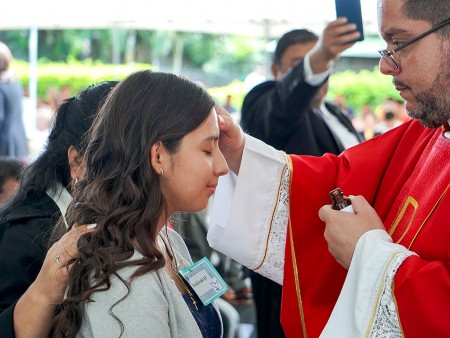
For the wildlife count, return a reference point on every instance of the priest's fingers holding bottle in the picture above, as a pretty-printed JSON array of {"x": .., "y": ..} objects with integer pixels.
[{"x": 343, "y": 229}]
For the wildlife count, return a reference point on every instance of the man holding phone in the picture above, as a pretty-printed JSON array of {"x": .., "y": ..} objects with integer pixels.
[{"x": 291, "y": 114}]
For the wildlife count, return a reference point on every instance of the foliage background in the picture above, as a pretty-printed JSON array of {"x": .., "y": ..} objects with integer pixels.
[
  {"x": 78, "y": 58},
  {"x": 359, "y": 88}
]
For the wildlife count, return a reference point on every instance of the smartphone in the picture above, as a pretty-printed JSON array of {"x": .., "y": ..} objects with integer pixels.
[{"x": 351, "y": 9}]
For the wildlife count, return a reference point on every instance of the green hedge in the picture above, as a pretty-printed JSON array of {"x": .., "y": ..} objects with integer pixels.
[
  {"x": 75, "y": 75},
  {"x": 359, "y": 88},
  {"x": 364, "y": 87}
]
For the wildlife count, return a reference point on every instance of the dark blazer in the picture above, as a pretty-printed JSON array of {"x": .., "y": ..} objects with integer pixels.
[
  {"x": 279, "y": 113},
  {"x": 24, "y": 236}
]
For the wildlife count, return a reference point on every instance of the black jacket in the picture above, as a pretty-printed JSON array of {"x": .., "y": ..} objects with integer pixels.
[
  {"x": 24, "y": 236},
  {"x": 278, "y": 113}
]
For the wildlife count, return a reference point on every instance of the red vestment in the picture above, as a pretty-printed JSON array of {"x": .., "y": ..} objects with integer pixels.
[{"x": 405, "y": 175}]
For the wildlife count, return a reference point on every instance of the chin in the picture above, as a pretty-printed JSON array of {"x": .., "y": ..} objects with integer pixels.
[{"x": 194, "y": 208}]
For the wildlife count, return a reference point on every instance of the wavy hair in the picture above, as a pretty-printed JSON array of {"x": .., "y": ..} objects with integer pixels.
[{"x": 120, "y": 191}]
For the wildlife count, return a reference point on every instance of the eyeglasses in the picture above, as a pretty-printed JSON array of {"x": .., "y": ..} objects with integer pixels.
[{"x": 387, "y": 55}]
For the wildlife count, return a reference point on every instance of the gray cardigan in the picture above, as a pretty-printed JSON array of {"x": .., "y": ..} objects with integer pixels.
[{"x": 154, "y": 306}]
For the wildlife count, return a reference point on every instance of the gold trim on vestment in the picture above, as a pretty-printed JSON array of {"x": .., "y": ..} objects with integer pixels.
[
  {"x": 271, "y": 218},
  {"x": 294, "y": 260},
  {"x": 428, "y": 216},
  {"x": 409, "y": 201},
  {"x": 380, "y": 290}
]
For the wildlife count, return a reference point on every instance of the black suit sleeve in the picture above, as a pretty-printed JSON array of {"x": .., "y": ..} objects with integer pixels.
[
  {"x": 22, "y": 252},
  {"x": 277, "y": 111}
]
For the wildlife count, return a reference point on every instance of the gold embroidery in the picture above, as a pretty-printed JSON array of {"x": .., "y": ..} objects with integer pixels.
[
  {"x": 294, "y": 264},
  {"x": 380, "y": 290},
  {"x": 271, "y": 219},
  {"x": 428, "y": 216},
  {"x": 409, "y": 201}
]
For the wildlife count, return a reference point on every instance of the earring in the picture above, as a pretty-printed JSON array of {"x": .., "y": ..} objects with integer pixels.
[{"x": 161, "y": 171}]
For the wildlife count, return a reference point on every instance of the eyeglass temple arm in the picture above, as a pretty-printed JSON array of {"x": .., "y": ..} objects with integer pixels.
[{"x": 420, "y": 36}]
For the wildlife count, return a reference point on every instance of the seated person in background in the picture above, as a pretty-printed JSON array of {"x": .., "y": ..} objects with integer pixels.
[{"x": 10, "y": 172}]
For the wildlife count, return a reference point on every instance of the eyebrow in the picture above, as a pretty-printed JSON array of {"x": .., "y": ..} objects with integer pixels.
[
  {"x": 211, "y": 138},
  {"x": 392, "y": 31}
]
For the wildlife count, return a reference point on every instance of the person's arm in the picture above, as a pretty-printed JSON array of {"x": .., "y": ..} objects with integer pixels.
[
  {"x": 287, "y": 104},
  {"x": 33, "y": 313},
  {"x": 243, "y": 234},
  {"x": 255, "y": 235}
]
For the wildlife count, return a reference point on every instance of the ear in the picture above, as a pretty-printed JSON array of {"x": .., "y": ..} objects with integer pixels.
[
  {"x": 75, "y": 161},
  {"x": 274, "y": 70},
  {"x": 157, "y": 156}
]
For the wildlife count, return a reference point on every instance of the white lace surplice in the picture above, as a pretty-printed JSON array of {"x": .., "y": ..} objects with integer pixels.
[
  {"x": 249, "y": 217},
  {"x": 249, "y": 223}
]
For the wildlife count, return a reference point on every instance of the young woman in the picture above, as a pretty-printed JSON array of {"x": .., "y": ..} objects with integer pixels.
[
  {"x": 153, "y": 150},
  {"x": 27, "y": 220}
]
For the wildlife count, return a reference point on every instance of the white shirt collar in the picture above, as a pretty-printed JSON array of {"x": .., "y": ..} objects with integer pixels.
[
  {"x": 447, "y": 133},
  {"x": 62, "y": 198}
]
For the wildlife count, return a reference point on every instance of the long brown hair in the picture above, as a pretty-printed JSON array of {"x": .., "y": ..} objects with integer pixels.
[{"x": 120, "y": 191}]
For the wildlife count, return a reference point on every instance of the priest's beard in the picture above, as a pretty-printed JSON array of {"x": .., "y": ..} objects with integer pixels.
[{"x": 433, "y": 104}]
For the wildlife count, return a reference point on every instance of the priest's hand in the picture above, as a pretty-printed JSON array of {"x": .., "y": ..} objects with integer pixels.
[
  {"x": 343, "y": 229},
  {"x": 231, "y": 142}
]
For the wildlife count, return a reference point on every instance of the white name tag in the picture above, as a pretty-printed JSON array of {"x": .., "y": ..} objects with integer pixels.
[{"x": 204, "y": 280}]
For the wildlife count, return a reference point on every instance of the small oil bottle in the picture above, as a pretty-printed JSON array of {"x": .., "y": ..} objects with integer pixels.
[{"x": 339, "y": 202}]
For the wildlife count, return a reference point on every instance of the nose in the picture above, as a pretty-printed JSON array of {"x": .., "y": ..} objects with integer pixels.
[
  {"x": 220, "y": 164},
  {"x": 388, "y": 70}
]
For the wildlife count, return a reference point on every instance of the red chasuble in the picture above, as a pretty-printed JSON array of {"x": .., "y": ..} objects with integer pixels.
[{"x": 405, "y": 175}]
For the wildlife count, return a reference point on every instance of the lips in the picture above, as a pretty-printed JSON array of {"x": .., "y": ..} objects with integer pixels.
[
  {"x": 400, "y": 87},
  {"x": 212, "y": 188}
]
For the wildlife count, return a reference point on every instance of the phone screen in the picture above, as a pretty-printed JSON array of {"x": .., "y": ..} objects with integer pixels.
[{"x": 351, "y": 9}]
